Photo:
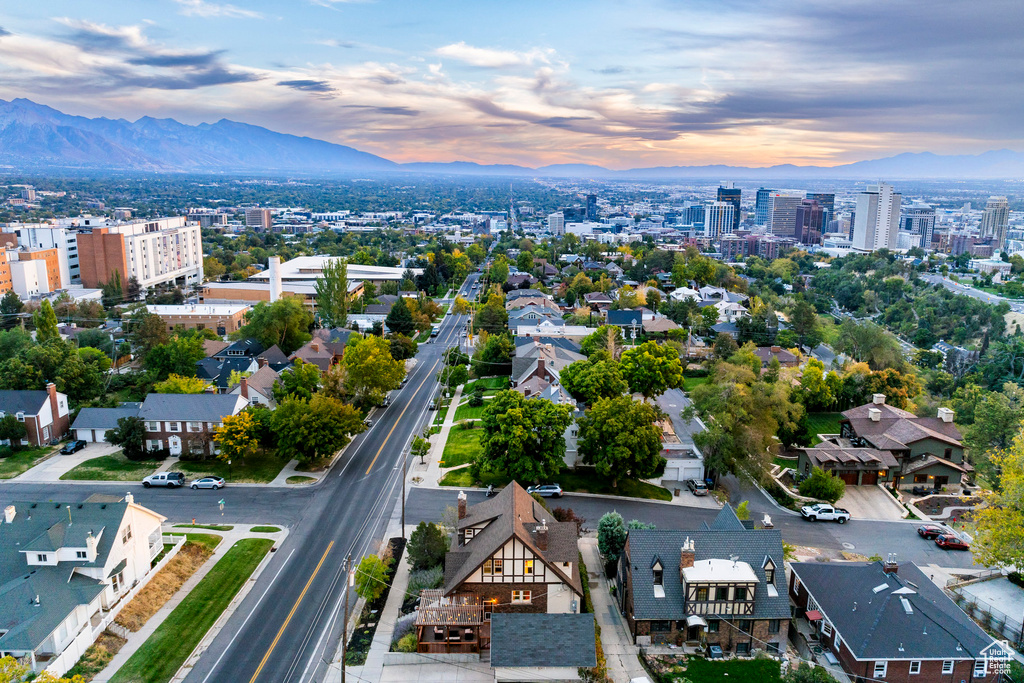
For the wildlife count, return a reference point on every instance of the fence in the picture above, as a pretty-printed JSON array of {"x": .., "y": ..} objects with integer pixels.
[{"x": 989, "y": 617}]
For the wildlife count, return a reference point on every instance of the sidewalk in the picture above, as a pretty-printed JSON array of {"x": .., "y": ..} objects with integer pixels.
[
  {"x": 619, "y": 651},
  {"x": 289, "y": 471},
  {"x": 432, "y": 473},
  {"x": 51, "y": 469},
  {"x": 136, "y": 640}
]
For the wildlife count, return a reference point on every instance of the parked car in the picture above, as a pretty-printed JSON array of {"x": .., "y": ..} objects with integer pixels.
[
  {"x": 697, "y": 487},
  {"x": 930, "y": 531},
  {"x": 825, "y": 512},
  {"x": 951, "y": 542},
  {"x": 547, "y": 490},
  {"x": 209, "y": 483},
  {"x": 387, "y": 401},
  {"x": 73, "y": 447},
  {"x": 170, "y": 479}
]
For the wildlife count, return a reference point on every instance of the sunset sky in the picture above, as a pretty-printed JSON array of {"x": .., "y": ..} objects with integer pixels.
[{"x": 621, "y": 84}]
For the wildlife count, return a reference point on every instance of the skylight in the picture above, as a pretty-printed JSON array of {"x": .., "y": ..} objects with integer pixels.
[
  {"x": 880, "y": 588},
  {"x": 906, "y": 606}
]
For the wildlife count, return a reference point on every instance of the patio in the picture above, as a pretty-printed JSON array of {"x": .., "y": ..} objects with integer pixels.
[{"x": 451, "y": 625}]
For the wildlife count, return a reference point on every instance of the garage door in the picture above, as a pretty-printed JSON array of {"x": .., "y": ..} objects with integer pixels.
[
  {"x": 849, "y": 477},
  {"x": 671, "y": 474},
  {"x": 869, "y": 478},
  {"x": 692, "y": 473},
  {"x": 83, "y": 434}
]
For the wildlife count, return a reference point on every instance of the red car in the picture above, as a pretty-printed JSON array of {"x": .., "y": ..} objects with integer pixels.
[
  {"x": 930, "y": 531},
  {"x": 951, "y": 542}
]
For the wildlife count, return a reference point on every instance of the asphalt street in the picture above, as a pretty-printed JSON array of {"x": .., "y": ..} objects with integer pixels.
[{"x": 967, "y": 290}]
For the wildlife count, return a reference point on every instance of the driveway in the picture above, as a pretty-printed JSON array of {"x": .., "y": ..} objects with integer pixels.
[
  {"x": 870, "y": 502},
  {"x": 53, "y": 467}
]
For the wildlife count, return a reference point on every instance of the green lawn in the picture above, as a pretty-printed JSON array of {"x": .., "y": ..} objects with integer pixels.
[
  {"x": 22, "y": 461},
  {"x": 691, "y": 383},
  {"x": 258, "y": 469},
  {"x": 823, "y": 423},
  {"x": 487, "y": 383},
  {"x": 462, "y": 447},
  {"x": 165, "y": 651},
  {"x": 581, "y": 481},
  {"x": 265, "y": 529},
  {"x": 113, "y": 467},
  {"x": 211, "y": 541},
  {"x": 300, "y": 480},
  {"x": 468, "y": 412},
  {"x": 784, "y": 462},
  {"x": 732, "y": 671}
]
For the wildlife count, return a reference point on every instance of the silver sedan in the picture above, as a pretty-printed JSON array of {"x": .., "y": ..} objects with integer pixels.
[{"x": 208, "y": 483}]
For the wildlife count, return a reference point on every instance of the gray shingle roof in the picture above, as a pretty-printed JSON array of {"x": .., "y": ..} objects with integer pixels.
[
  {"x": 23, "y": 401},
  {"x": 880, "y": 625},
  {"x": 626, "y": 317},
  {"x": 190, "y": 407},
  {"x": 533, "y": 640},
  {"x": 102, "y": 418},
  {"x": 726, "y": 537}
]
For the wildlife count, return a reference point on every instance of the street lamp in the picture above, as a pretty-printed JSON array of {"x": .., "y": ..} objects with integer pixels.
[{"x": 633, "y": 332}]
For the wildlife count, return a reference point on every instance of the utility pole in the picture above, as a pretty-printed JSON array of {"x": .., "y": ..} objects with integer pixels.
[{"x": 344, "y": 621}]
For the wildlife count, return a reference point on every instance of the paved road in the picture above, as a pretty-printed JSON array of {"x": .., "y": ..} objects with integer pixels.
[{"x": 967, "y": 290}]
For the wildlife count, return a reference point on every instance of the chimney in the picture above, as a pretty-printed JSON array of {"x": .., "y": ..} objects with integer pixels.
[
  {"x": 878, "y": 399},
  {"x": 262, "y": 362},
  {"x": 9, "y": 513},
  {"x": 315, "y": 345},
  {"x": 129, "y": 498},
  {"x": 874, "y": 414},
  {"x": 776, "y": 349},
  {"x": 245, "y": 388},
  {"x": 274, "y": 266},
  {"x": 890, "y": 566},
  {"x": 542, "y": 535},
  {"x": 686, "y": 555},
  {"x": 462, "y": 504},
  {"x": 51, "y": 389},
  {"x": 945, "y": 414}
]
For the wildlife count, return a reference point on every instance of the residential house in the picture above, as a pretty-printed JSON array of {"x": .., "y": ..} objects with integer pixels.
[
  {"x": 728, "y": 311},
  {"x": 628, "y": 319},
  {"x": 218, "y": 370},
  {"x": 64, "y": 569},
  {"x": 787, "y": 359},
  {"x": 555, "y": 358},
  {"x": 44, "y": 412},
  {"x": 884, "y": 621},
  {"x": 560, "y": 342},
  {"x": 723, "y": 584},
  {"x": 180, "y": 421},
  {"x": 572, "y": 260},
  {"x": 258, "y": 388},
  {"x": 660, "y": 325},
  {"x": 521, "y": 280},
  {"x": 531, "y": 316},
  {"x": 542, "y": 647},
  {"x": 552, "y": 328},
  {"x": 517, "y": 298},
  {"x": 507, "y": 556},
  {"x": 322, "y": 353},
  {"x": 683, "y": 459},
  {"x": 214, "y": 346},
  {"x": 92, "y": 424},
  {"x": 614, "y": 270},
  {"x": 275, "y": 358},
  {"x": 243, "y": 348},
  {"x": 597, "y": 300}
]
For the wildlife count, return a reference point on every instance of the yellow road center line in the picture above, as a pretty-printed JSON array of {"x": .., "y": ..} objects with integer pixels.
[
  {"x": 280, "y": 631},
  {"x": 385, "y": 443}
]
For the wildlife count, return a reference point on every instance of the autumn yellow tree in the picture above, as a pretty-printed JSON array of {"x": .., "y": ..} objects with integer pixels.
[
  {"x": 236, "y": 437},
  {"x": 179, "y": 384},
  {"x": 12, "y": 672},
  {"x": 1000, "y": 537}
]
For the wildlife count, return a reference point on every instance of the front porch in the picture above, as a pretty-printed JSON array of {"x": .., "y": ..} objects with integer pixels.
[{"x": 457, "y": 624}]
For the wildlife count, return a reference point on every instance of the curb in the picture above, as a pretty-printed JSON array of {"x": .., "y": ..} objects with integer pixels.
[{"x": 602, "y": 496}]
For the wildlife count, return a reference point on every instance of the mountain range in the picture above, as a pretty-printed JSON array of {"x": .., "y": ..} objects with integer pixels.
[{"x": 35, "y": 137}]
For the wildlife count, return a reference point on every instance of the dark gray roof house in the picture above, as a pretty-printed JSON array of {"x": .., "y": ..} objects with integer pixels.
[
  {"x": 542, "y": 641},
  {"x": 92, "y": 424}
]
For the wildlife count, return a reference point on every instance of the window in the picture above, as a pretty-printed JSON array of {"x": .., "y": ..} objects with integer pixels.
[
  {"x": 528, "y": 567},
  {"x": 154, "y": 444},
  {"x": 41, "y": 557},
  {"x": 721, "y": 593},
  {"x": 46, "y": 433},
  {"x": 522, "y": 597},
  {"x": 174, "y": 426},
  {"x": 915, "y": 667},
  {"x": 20, "y": 416},
  {"x": 769, "y": 575},
  {"x": 468, "y": 533},
  {"x": 880, "y": 669},
  {"x": 127, "y": 535},
  {"x": 980, "y": 668},
  {"x": 826, "y": 627},
  {"x": 740, "y": 593},
  {"x": 81, "y": 555},
  {"x": 920, "y": 478},
  {"x": 658, "y": 577},
  {"x": 713, "y": 626},
  {"x": 773, "y": 626},
  {"x": 772, "y": 648},
  {"x": 949, "y": 454},
  {"x": 702, "y": 594},
  {"x": 152, "y": 426},
  {"x": 743, "y": 625},
  {"x": 743, "y": 648},
  {"x": 492, "y": 567},
  {"x": 195, "y": 426},
  {"x": 947, "y": 666}
]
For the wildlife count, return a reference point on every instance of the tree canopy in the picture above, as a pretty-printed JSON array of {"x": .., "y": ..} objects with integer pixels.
[
  {"x": 619, "y": 437},
  {"x": 524, "y": 438},
  {"x": 651, "y": 369},
  {"x": 285, "y": 322}
]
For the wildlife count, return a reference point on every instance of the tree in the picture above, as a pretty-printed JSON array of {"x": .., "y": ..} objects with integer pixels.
[
  {"x": 237, "y": 437},
  {"x": 178, "y": 356},
  {"x": 96, "y": 339},
  {"x": 524, "y": 438},
  {"x": 524, "y": 262},
  {"x": 492, "y": 316},
  {"x": 743, "y": 510},
  {"x": 708, "y": 317},
  {"x": 285, "y": 322},
  {"x": 598, "y": 339},
  {"x": 420, "y": 448},
  {"x": 130, "y": 435},
  {"x": 12, "y": 430},
  {"x": 133, "y": 289},
  {"x": 870, "y": 343},
  {"x": 590, "y": 380},
  {"x": 619, "y": 437},
  {"x": 804, "y": 320},
  {"x": 13, "y": 672},
  {"x": 1000, "y": 537},
  {"x": 316, "y": 428},
  {"x": 11, "y": 303},
  {"x": 301, "y": 380},
  {"x": 179, "y": 384},
  {"x": 332, "y": 293},
  {"x": 611, "y": 536},
  {"x": 94, "y": 358},
  {"x": 899, "y": 388},
  {"x": 46, "y": 322},
  {"x": 725, "y": 346},
  {"x": 823, "y": 486},
  {"x": 333, "y": 382},
  {"x": 818, "y": 390},
  {"x": 651, "y": 369},
  {"x": 399, "y": 320},
  {"x": 461, "y": 306},
  {"x": 148, "y": 332},
  {"x": 453, "y": 375},
  {"x": 372, "y": 577},
  {"x": 499, "y": 271},
  {"x": 427, "y": 546},
  {"x": 493, "y": 355},
  {"x": 402, "y": 347},
  {"x": 996, "y": 420},
  {"x": 371, "y": 371}
]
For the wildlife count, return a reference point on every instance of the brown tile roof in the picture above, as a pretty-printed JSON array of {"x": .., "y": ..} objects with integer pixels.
[
  {"x": 930, "y": 460},
  {"x": 896, "y": 427},
  {"x": 263, "y": 380},
  {"x": 214, "y": 346}
]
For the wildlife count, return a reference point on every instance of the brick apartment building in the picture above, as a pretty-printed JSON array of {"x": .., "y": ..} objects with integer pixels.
[{"x": 221, "y": 318}]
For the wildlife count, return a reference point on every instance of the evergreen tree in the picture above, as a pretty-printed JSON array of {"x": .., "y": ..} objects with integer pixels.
[
  {"x": 332, "y": 293},
  {"x": 399, "y": 320},
  {"x": 46, "y": 323}
]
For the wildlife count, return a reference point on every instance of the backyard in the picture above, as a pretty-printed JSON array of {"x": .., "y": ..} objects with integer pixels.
[
  {"x": 261, "y": 468},
  {"x": 712, "y": 671},
  {"x": 691, "y": 383},
  {"x": 822, "y": 423},
  {"x": 22, "y": 461},
  {"x": 113, "y": 467}
]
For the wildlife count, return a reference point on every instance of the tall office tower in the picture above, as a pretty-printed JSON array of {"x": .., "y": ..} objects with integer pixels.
[
  {"x": 719, "y": 219},
  {"x": 259, "y": 218},
  {"x": 994, "y": 220},
  {"x": 782, "y": 214},
  {"x": 920, "y": 220},
  {"x": 810, "y": 222},
  {"x": 591, "y": 207},
  {"x": 849, "y": 226},
  {"x": 694, "y": 214},
  {"x": 732, "y": 196},
  {"x": 762, "y": 208},
  {"x": 827, "y": 202},
  {"x": 153, "y": 251},
  {"x": 556, "y": 223},
  {"x": 878, "y": 218}
]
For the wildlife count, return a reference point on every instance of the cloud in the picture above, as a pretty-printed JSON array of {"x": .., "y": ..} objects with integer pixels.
[
  {"x": 387, "y": 111},
  {"x": 194, "y": 59},
  {"x": 492, "y": 59},
  {"x": 307, "y": 85},
  {"x": 4, "y": 32},
  {"x": 200, "y": 8}
]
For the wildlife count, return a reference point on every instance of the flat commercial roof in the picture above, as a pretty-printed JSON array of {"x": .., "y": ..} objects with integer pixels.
[{"x": 198, "y": 309}]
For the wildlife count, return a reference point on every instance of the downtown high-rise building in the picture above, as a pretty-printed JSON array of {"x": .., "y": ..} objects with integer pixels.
[
  {"x": 810, "y": 222},
  {"x": 994, "y": 220},
  {"x": 592, "y": 207},
  {"x": 920, "y": 220},
  {"x": 762, "y": 209},
  {"x": 877, "y": 218},
  {"x": 782, "y": 213},
  {"x": 719, "y": 219},
  {"x": 258, "y": 218},
  {"x": 556, "y": 223},
  {"x": 732, "y": 196},
  {"x": 827, "y": 202}
]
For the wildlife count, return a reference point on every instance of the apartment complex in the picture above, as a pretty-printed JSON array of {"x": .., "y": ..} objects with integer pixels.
[
  {"x": 258, "y": 218},
  {"x": 154, "y": 252},
  {"x": 877, "y": 218}
]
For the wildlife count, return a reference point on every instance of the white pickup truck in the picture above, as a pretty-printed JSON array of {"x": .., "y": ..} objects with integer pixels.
[{"x": 825, "y": 512}]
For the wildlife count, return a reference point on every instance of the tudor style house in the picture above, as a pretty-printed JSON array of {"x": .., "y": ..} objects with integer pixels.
[
  {"x": 721, "y": 585},
  {"x": 888, "y": 622},
  {"x": 44, "y": 412},
  {"x": 507, "y": 556},
  {"x": 880, "y": 443},
  {"x": 64, "y": 571}
]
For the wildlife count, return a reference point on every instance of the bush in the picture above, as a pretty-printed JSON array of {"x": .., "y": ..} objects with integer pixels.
[
  {"x": 372, "y": 577},
  {"x": 476, "y": 399},
  {"x": 5, "y": 452},
  {"x": 780, "y": 495},
  {"x": 823, "y": 486},
  {"x": 611, "y": 536},
  {"x": 404, "y": 625},
  {"x": 406, "y": 643},
  {"x": 567, "y": 515},
  {"x": 427, "y": 546},
  {"x": 425, "y": 578}
]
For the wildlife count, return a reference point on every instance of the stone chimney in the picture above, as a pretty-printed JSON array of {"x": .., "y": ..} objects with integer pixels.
[
  {"x": 945, "y": 414},
  {"x": 262, "y": 362},
  {"x": 9, "y": 513},
  {"x": 315, "y": 345},
  {"x": 874, "y": 414},
  {"x": 542, "y": 535},
  {"x": 890, "y": 566},
  {"x": 776, "y": 349},
  {"x": 51, "y": 389},
  {"x": 462, "y": 504},
  {"x": 878, "y": 399},
  {"x": 686, "y": 554},
  {"x": 245, "y": 388}
]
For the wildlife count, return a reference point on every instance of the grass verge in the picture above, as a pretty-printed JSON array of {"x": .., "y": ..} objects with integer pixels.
[
  {"x": 163, "y": 586},
  {"x": 468, "y": 412},
  {"x": 19, "y": 462},
  {"x": 163, "y": 653},
  {"x": 462, "y": 447},
  {"x": 265, "y": 529},
  {"x": 211, "y": 527},
  {"x": 113, "y": 467},
  {"x": 300, "y": 480},
  {"x": 583, "y": 480},
  {"x": 257, "y": 469},
  {"x": 487, "y": 383}
]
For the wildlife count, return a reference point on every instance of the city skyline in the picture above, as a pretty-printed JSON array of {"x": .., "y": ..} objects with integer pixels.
[{"x": 662, "y": 83}]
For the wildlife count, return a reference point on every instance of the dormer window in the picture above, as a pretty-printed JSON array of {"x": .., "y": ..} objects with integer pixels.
[
  {"x": 658, "y": 573},
  {"x": 769, "y": 570}
]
